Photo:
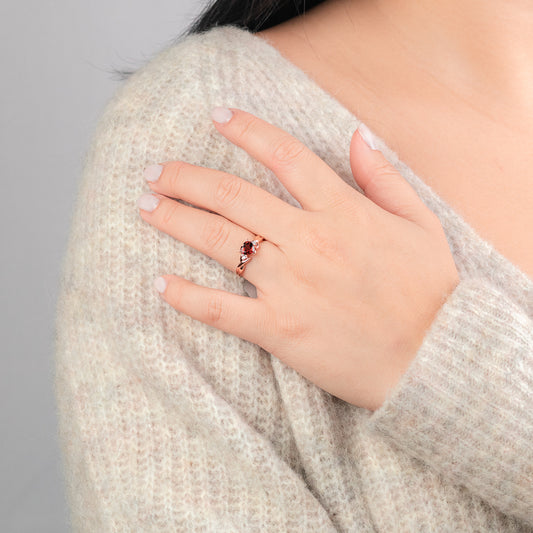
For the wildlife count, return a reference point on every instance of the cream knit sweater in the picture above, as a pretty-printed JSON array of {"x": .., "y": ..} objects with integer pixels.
[{"x": 168, "y": 424}]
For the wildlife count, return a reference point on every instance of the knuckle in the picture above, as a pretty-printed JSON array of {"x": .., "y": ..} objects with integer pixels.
[
  {"x": 175, "y": 174},
  {"x": 175, "y": 291},
  {"x": 287, "y": 151},
  {"x": 245, "y": 128},
  {"x": 320, "y": 240},
  {"x": 216, "y": 233},
  {"x": 290, "y": 327},
  {"x": 214, "y": 308},
  {"x": 169, "y": 213},
  {"x": 341, "y": 199},
  {"x": 383, "y": 167},
  {"x": 302, "y": 275},
  {"x": 228, "y": 190},
  {"x": 382, "y": 173}
]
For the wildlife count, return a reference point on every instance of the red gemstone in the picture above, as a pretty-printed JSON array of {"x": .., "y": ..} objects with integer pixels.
[{"x": 247, "y": 248}]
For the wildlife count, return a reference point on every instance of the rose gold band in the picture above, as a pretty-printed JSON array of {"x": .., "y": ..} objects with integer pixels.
[{"x": 247, "y": 250}]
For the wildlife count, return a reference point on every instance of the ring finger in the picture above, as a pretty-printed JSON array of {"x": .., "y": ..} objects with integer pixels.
[{"x": 211, "y": 234}]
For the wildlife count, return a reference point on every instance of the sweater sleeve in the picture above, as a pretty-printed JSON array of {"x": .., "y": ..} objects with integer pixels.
[
  {"x": 165, "y": 423},
  {"x": 463, "y": 406}
]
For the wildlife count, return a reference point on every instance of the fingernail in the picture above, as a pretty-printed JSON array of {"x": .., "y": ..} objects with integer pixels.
[
  {"x": 367, "y": 136},
  {"x": 152, "y": 172},
  {"x": 160, "y": 284},
  {"x": 221, "y": 114},
  {"x": 148, "y": 202}
]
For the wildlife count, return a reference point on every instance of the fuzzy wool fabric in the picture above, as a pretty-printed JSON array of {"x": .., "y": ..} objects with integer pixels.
[{"x": 168, "y": 424}]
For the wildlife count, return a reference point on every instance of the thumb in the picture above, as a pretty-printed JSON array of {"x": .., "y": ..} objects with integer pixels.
[{"x": 381, "y": 182}]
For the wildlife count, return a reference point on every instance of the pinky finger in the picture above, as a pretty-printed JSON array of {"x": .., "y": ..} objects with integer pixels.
[{"x": 238, "y": 315}]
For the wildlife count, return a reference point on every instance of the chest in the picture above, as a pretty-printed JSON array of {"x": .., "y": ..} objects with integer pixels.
[
  {"x": 483, "y": 170},
  {"x": 480, "y": 167}
]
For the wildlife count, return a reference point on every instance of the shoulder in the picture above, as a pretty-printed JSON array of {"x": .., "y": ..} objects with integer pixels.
[
  {"x": 161, "y": 113},
  {"x": 190, "y": 73},
  {"x": 164, "y": 107}
]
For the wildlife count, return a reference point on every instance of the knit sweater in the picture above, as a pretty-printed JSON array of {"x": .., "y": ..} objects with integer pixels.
[{"x": 169, "y": 424}]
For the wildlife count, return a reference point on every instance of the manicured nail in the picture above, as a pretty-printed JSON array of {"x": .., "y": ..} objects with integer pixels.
[
  {"x": 148, "y": 202},
  {"x": 160, "y": 284},
  {"x": 152, "y": 172},
  {"x": 221, "y": 114},
  {"x": 367, "y": 136}
]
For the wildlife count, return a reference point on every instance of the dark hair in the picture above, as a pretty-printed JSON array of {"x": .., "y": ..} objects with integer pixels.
[{"x": 253, "y": 15}]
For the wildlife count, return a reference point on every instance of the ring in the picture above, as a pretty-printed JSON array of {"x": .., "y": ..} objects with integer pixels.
[{"x": 248, "y": 249}]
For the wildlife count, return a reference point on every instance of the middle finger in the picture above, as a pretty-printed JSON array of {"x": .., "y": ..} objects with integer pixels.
[{"x": 235, "y": 198}]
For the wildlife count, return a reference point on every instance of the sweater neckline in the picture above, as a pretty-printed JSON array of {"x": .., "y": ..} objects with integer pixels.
[{"x": 510, "y": 271}]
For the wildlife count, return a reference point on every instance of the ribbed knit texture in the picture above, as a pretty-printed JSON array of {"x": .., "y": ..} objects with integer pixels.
[{"x": 168, "y": 424}]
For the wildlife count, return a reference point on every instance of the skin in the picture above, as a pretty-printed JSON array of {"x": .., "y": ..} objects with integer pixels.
[
  {"x": 349, "y": 314},
  {"x": 448, "y": 85}
]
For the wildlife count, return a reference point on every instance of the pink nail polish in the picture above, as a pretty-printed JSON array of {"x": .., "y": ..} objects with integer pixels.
[
  {"x": 367, "y": 136},
  {"x": 160, "y": 284},
  {"x": 221, "y": 114},
  {"x": 152, "y": 172},
  {"x": 148, "y": 202}
]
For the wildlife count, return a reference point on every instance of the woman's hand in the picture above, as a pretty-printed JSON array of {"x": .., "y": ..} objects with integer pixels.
[{"x": 346, "y": 286}]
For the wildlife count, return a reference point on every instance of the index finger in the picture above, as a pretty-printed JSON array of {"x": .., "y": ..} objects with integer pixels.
[{"x": 306, "y": 176}]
